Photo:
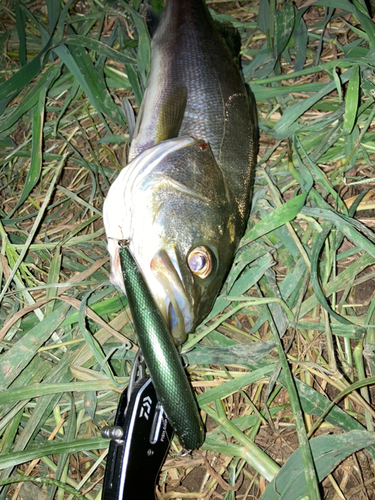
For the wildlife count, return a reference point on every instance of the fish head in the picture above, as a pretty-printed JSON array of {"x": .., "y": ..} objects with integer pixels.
[{"x": 176, "y": 211}]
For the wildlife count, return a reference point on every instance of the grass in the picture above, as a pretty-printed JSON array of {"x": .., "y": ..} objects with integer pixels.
[{"x": 283, "y": 367}]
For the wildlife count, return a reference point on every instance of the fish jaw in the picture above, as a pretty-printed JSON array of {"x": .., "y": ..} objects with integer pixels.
[{"x": 176, "y": 308}]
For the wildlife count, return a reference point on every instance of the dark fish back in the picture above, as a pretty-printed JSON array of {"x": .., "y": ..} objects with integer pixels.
[{"x": 188, "y": 50}]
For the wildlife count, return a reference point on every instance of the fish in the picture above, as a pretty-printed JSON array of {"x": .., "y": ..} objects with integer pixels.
[{"x": 183, "y": 200}]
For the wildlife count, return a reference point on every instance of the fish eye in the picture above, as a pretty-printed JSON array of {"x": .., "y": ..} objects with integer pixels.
[{"x": 200, "y": 262}]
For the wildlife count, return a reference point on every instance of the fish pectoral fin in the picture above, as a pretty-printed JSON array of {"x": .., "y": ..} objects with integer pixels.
[
  {"x": 185, "y": 189},
  {"x": 231, "y": 38},
  {"x": 153, "y": 18},
  {"x": 129, "y": 115},
  {"x": 171, "y": 114},
  {"x": 139, "y": 119}
]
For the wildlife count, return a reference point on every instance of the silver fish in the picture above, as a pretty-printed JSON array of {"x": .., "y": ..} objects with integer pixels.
[{"x": 183, "y": 200}]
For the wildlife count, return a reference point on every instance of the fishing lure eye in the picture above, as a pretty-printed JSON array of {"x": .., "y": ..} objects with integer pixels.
[{"x": 200, "y": 262}]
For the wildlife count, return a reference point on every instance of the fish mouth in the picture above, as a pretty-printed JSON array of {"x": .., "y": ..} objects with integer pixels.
[{"x": 174, "y": 305}]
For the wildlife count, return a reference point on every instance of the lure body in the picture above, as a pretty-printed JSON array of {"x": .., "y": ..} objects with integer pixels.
[{"x": 161, "y": 356}]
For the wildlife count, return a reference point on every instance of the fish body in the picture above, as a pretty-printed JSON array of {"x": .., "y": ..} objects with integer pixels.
[{"x": 183, "y": 200}]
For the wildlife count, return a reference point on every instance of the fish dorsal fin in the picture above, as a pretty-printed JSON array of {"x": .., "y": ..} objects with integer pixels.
[
  {"x": 231, "y": 38},
  {"x": 152, "y": 16},
  {"x": 171, "y": 114}
]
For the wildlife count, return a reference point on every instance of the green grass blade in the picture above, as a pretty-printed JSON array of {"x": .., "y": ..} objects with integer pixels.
[
  {"x": 255, "y": 456},
  {"x": 21, "y": 20},
  {"x": 284, "y": 25},
  {"x": 236, "y": 354},
  {"x": 351, "y": 102},
  {"x": 79, "y": 64},
  {"x": 12, "y": 87},
  {"x": 287, "y": 125},
  {"x": 98, "y": 46},
  {"x": 63, "y": 461},
  {"x": 54, "y": 10},
  {"x": 328, "y": 452},
  {"x": 18, "y": 357},
  {"x": 32, "y": 99},
  {"x": 338, "y": 282},
  {"x": 350, "y": 227},
  {"x": 144, "y": 50},
  {"x": 12, "y": 395},
  {"x": 52, "y": 448},
  {"x": 34, "y": 229},
  {"x": 36, "y": 150},
  {"x": 277, "y": 218},
  {"x": 234, "y": 385},
  {"x": 315, "y": 278},
  {"x": 308, "y": 467}
]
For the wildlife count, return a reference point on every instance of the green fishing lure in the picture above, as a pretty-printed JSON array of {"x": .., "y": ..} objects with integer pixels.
[{"x": 161, "y": 356}]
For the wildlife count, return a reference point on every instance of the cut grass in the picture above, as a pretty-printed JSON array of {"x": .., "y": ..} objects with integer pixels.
[{"x": 304, "y": 271}]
